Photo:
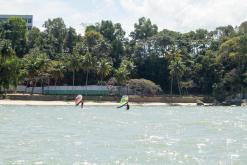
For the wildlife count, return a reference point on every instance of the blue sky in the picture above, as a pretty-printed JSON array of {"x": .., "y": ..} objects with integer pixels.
[{"x": 179, "y": 15}]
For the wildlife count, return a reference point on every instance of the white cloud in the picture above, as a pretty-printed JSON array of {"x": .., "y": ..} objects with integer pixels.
[
  {"x": 41, "y": 10},
  {"x": 180, "y": 15},
  {"x": 185, "y": 15}
]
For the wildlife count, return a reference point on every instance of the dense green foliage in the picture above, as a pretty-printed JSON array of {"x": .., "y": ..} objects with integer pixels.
[
  {"x": 198, "y": 62},
  {"x": 143, "y": 87}
]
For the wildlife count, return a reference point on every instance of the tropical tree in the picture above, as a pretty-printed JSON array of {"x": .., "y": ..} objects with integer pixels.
[
  {"x": 177, "y": 69},
  {"x": 70, "y": 40},
  {"x": 88, "y": 64},
  {"x": 36, "y": 65},
  {"x": 114, "y": 37},
  {"x": 54, "y": 37},
  {"x": 144, "y": 29},
  {"x": 123, "y": 73},
  {"x": 56, "y": 70},
  {"x": 104, "y": 68},
  {"x": 95, "y": 44},
  {"x": 6, "y": 50},
  {"x": 34, "y": 38},
  {"x": 10, "y": 66},
  {"x": 11, "y": 73},
  {"x": 73, "y": 64},
  {"x": 15, "y": 30}
]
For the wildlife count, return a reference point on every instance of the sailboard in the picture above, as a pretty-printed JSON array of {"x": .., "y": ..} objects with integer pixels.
[
  {"x": 78, "y": 99},
  {"x": 124, "y": 101}
]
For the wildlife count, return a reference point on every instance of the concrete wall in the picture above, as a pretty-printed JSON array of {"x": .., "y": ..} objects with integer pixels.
[
  {"x": 24, "y": 89},
  {"x": 93, "y": 90}
]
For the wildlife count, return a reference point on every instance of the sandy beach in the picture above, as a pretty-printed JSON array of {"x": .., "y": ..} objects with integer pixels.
[{"x": 71, "y": 103}]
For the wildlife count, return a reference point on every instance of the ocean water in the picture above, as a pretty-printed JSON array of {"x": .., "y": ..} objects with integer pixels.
[{"x": 104, "y": 135}]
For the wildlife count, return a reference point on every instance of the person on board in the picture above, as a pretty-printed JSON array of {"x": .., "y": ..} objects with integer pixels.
[
  {"x": 82, "y": 102},
  {"x": 127, "y": 106}
]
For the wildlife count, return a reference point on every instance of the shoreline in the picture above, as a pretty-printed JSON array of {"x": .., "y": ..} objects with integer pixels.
[{"x": 90, "y": 103}]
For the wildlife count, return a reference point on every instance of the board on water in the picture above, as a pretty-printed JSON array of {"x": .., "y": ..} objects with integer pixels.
[{"x": 124, "y": 101}]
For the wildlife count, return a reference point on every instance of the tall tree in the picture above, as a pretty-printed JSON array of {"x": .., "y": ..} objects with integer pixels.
[
  {"x": 88, "y": 64},
  {"x": 15, "y": 30},
  {"x": 144, "y": 29},
  {"x": 104, "y": 68},
  {"x": 70, "y": 40},
  {"x": 56, "y": 70},
  {"x": 34, "y": 39},
  {"x": 6, "y": 50},
  {"x": 115, "y": 36},
  {"x": 36, "y": 65},
  {"x": 55, "y": 33},
  {"x": 95, "y": 44},
  {"x": 177, "y": 70},
  {"x": 73, "y": 64},
  {"x": 123, "y": 73},
  {"x": 10, "y": 66}
]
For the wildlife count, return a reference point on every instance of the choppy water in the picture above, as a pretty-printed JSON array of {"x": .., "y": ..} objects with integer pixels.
[{"x": 105, "y": 135}]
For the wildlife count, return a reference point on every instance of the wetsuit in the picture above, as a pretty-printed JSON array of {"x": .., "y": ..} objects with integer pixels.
[
  {"x": 127, "y": 106},
  {"x": 82, "y": 103}
]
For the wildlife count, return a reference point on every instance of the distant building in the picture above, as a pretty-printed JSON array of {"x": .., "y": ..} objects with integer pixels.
[{"x": 27, "y": 18}]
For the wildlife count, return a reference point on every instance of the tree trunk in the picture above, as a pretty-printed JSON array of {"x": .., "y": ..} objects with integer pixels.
[
  {"x": 42, "y": 85},
  {"x": 32, "y": 89},
  {"x": 171, "y": 85},
  {"x": 5, "y": 92},
  {"x": 55, "y": 82},
  {"x": 86, "y": 81},
  {"x": 179, "y": 88},
  {"x": 101, "y": 84},
  {"x": 34, "y": 85},
  {"x": 48, "y": 85},
  {"x": 73, "y": 77}
]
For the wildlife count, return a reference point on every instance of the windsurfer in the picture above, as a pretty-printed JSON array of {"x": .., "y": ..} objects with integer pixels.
[
  {"x": 127, "y": 106},
  {"x": 82, "y": 102},
  {"x": 124, "y": 102},
  {"x": 79, "y": 100}
]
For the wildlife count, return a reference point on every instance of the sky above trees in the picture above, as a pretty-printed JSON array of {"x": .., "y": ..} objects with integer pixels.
[{"x": 179, "y": 15}]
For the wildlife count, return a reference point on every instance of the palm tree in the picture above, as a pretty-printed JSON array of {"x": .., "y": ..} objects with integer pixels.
[
  {"x": 73, "y": 64},
  {"x": 124, "y": 71},
  {"x": 177, "y": 69},
  {"x": 88, "y": 62},
  {"x": 121, "y": 75},
  {"x": 104, "y": 68},
  {"x": 56, "y": 70},
  {"x": 35, "y": 64}
]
